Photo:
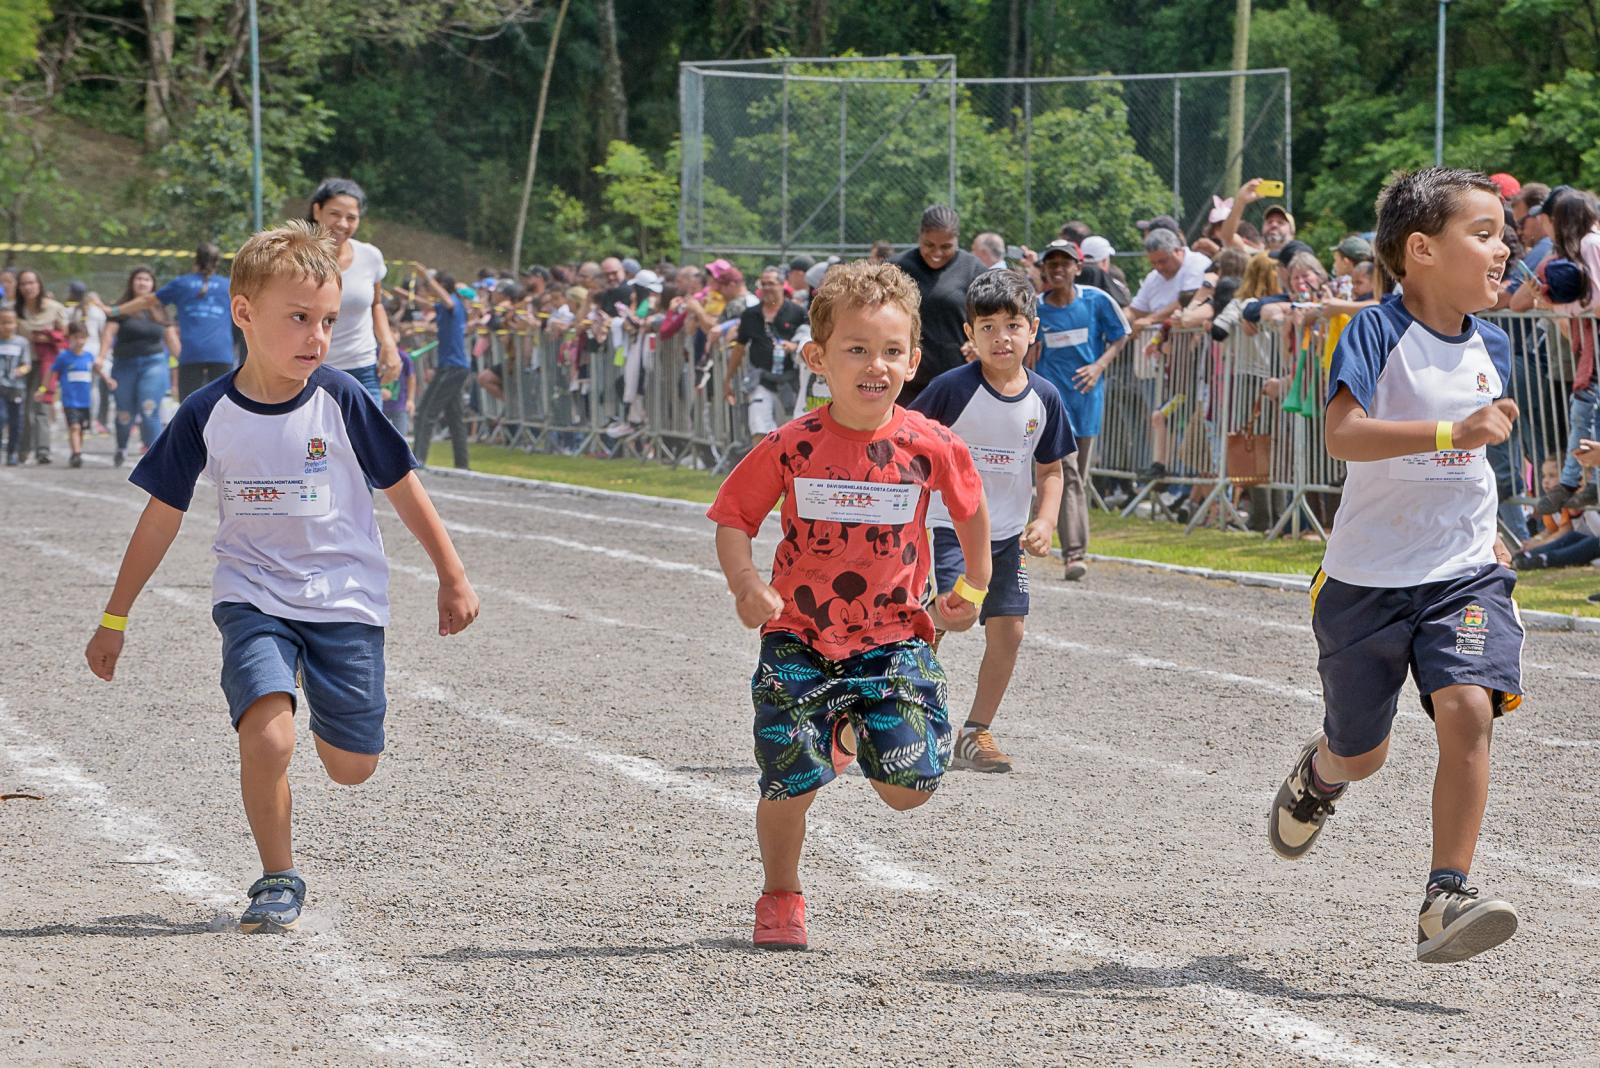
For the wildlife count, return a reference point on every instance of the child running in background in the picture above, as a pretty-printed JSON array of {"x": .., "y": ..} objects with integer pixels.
[
  {"x": 845, "y": 641},
  {"x": 301, "y": 584},
  {"x": 1415, "y": 576},
  {"x": 74, "y": 371},
  {"x": 16, "y": 360},
  {"x": 1015, "y": 425}
]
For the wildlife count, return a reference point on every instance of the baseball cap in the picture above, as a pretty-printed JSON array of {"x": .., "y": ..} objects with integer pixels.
[
  {"x": 647, "y": 279},
  {"x": 1563, "y": 280},
  {"x": 1097, "y": 248},
  {"x": 1355, "y": 248},
  {"x": 717, "y": 268},
  {"x": 1550, "y": 201},
  {"x": 1159, "y": 222},
  {"x": 1292, "y": 249},
  {"x": 1279, "y": 209},
  {"x": 1508, "y": 186},
  {"x": 802, "y": 262},
  {"x": 1061, "y": 246}
]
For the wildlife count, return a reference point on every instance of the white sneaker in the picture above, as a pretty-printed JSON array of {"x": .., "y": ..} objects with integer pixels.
[{"x": 1455, "y": 924}]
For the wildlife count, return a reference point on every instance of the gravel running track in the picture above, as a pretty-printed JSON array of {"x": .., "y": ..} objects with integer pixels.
[{"x": 556, "y": 864}]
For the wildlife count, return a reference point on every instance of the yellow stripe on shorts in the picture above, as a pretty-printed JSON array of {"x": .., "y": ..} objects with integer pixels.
[{"x": 1316, "y": 588}]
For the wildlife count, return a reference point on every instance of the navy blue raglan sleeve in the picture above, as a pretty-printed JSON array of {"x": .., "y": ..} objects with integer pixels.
[
  {"x": 946, "y": 397},
  {"x": 1055, "y": 440},
  {"x": 1358, "y": 359},
  {"x": 178, "y": 458},
  {"x": 384, "y": 456}
]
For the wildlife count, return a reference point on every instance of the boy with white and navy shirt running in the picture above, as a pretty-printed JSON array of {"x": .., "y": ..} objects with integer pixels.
[
  {"x": 1016, "y": 427},
  {"x": 1415, "y": 577},
  {"x": 301, "y": 582}
]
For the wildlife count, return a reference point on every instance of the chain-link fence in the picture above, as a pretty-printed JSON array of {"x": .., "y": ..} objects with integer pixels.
[{"x": 791, "y": 155}]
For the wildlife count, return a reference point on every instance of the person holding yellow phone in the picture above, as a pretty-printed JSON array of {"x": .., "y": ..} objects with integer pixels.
[{"x": 1277, "y": 224}]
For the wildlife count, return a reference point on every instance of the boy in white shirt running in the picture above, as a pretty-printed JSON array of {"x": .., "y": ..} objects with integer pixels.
[
  {"x": 301, "y": 584},
  {"x": 1016, "y": 427},
  {"x": 1415, "y": 578}
]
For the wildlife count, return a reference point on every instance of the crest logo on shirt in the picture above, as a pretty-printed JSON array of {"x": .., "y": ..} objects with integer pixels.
[
  {"x": 1473, "y": 618},
  {"x": 1483, "y": 382},
  {"x": 1033, "y": 424},
  {"x": 1472, "y": 631},
  {"x": 317, "y": 449}
]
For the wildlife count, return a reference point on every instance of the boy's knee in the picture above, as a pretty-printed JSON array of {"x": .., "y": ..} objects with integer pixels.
[
  {"x": 901, "y": 798},
  {"x": 266, "y": 730},
  {"x": 344, "y": 767}
]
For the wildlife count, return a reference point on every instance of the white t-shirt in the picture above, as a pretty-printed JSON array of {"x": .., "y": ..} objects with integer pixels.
[
  {"x": 297, "y": 537},
  {"x": 354, "y": 344},
  {"x": 93, "y": 320},
  {"x": 1429, "y": 516},
  {"x": 1157, "y": 291},
  {"x": 1006, "y": 436}
]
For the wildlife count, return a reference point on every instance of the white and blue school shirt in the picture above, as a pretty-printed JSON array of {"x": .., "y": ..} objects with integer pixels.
[
  {"x": 1072, "y": 337},
  {"x": 297, "y": 537},
  {"x": 1006, "y": 436},
  {"x": 1429, "y": 516}
]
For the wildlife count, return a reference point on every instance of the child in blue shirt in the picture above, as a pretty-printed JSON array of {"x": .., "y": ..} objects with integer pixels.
[
  {"x": 73, "y": 373},
  {"x": 1415, "y": 578},
  {"x": 301, "y": 583},
  {"x": 1016, "y": 428}
]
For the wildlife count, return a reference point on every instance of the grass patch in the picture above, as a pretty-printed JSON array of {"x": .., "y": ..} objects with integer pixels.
[{"x": 1565, "y": 590}]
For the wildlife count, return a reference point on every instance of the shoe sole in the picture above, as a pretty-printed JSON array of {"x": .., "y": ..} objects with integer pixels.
[
  {"x": 1482, "y": 929},
  {"x": 1076, "y": 572},
  {"x": 779, "y": 947},
  {"x": 268, "y": 927},
  {"x": 967, "y": 765}
]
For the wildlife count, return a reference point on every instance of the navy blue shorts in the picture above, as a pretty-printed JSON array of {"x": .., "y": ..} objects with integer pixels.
[
  {"x": 895, "y": 699},
  {"x": 340, "y": 666},
  {"x": 1008, "y": 585},
  {"x": 1463, "y": 631}
]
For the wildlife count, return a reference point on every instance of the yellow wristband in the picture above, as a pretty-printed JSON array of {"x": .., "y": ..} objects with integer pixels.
[
  {"x": 968, "y": 592},
  {"x": 111, "y": 622},
  {"x": 1444, "y": 435}
]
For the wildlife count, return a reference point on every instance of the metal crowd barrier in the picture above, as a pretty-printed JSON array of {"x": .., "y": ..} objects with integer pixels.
[{"x": 1174, "y": 395}]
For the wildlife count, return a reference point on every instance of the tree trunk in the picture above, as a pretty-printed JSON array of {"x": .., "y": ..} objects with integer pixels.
[
  {"x": 1013, "y": 43},
  {"x": 538, "y": 130},
  {"x": 817, "y": 30},
  {"x": 614, "y": 104},
  {"x": 160, "y": 20}
]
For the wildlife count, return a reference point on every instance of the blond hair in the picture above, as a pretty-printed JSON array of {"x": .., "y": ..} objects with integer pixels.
[
  {"x": 864, "y": 284},
  {"x": 296, "y": 249}
]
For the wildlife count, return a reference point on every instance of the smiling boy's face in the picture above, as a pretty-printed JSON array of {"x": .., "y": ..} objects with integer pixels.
[
  {"x": 1467, "y": 259},
  {"x": 288, "y": 323},
  {"x": 865, "y": 361}
]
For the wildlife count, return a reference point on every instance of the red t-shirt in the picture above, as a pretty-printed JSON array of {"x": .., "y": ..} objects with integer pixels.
[{"x": 854, "y": 556}]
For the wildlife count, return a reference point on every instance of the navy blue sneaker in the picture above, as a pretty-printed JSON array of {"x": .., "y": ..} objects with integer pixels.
[{"x": 275, "y": 904}]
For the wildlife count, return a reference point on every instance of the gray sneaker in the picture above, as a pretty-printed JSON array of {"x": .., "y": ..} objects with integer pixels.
[
  {"x": 1455, "y": 924},
  {"x": 1298, "y": 812},
  {"x": 1076, "y": 570},
  {"x": 1553, "y": 501},
  {"x": 1586, "y": 498}
]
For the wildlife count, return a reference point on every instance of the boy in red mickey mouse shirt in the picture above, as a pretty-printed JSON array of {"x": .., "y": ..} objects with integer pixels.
[{"x": 846, "y": 644}]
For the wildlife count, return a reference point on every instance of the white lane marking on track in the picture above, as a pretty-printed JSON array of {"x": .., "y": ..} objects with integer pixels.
[
  {"x": 1295, "y": 693},
  {"x": 875, "y": 865},
  {"x": 362, "y": 985},
  {"x": 624, "y": 555},
  {"x": 572, "y": 513},
  {"x": 535, "y": 603}
]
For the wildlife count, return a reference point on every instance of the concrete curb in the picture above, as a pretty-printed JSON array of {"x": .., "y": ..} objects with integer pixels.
[{"x": 1290, "y": 583}]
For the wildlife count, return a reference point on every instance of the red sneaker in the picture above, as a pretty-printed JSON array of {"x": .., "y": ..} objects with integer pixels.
[{"x": 780, "y": 920}]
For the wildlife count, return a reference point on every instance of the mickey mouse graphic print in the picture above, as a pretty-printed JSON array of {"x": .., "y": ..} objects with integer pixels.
[{"x": 854, "y": 557}]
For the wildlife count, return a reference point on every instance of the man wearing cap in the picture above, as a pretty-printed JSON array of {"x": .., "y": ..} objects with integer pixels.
[
  {"x": 766, "y": 332},
  {"x": 795, "y": 285},
  {"x": 1174, "y": 271},
  {"x": 1277, "y": 225},
  {"x": 1081, "y": 330}
]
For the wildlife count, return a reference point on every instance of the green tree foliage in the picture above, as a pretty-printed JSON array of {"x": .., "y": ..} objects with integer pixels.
[
  {"x": 20, "y": 21},
  {"x": 205, "y": 187},
  {"x": 641, "y": 197}
]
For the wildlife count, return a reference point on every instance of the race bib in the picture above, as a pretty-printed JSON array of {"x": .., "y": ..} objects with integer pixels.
[
  {"x": 79, "y": 376},
  {"x": 856, "y": 502},
  {"x": 1063, "y": 339},
  {"x": 996, "y": 460},
  {"x": 276, "y": 496},
  {"x": 1453, "y": 465}
]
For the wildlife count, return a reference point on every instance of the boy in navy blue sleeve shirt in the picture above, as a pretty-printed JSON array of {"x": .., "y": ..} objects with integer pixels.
[
  {"x": 1415, "y": 577},
  {"x": 301, "y": 584},
  {"x": 1016, "y": 427},
  {"x": 74, "y": 371}
]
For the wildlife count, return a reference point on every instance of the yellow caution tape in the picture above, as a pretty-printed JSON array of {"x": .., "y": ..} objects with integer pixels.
[{"x": 104, "y": 250}]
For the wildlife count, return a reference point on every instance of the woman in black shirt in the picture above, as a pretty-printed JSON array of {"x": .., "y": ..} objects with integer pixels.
[
  {"x": 138, "y": 342},
  {"x": 942, "y": 271}
]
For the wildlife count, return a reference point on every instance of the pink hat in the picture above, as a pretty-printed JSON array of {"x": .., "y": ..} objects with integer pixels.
[
  {"x": 717, "y": 268},
  {"x": 1220, "y": 209}
]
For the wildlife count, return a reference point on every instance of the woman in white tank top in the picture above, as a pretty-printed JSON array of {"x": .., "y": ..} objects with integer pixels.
[{"x": 362, "y": 344}]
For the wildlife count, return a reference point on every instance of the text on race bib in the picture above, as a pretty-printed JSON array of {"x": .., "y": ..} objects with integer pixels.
[
  {"x": 856, "y": 502},
  {"x": 276, "y": 497},
  {"x": 1062, "y": 339},
  {"x": 79, "y": 376},
  {"x": 997, "y": 461},
  {"x": 1451, "y": 465}
]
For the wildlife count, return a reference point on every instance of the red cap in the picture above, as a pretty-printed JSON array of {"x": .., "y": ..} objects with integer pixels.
[{"x": 1508, "y": 186}]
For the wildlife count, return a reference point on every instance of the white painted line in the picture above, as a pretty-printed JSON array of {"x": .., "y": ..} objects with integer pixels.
[
  {"x": 625, "y": 555},
  {"x": 364, "y": 987},
  {"x": 876, "y": 866},
  {"x": 1076, "y": 592},
  {"x": 1293, "y": 693},
  {"x": 535, "y": 603},
  {"x": 703, "y": 531}
]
